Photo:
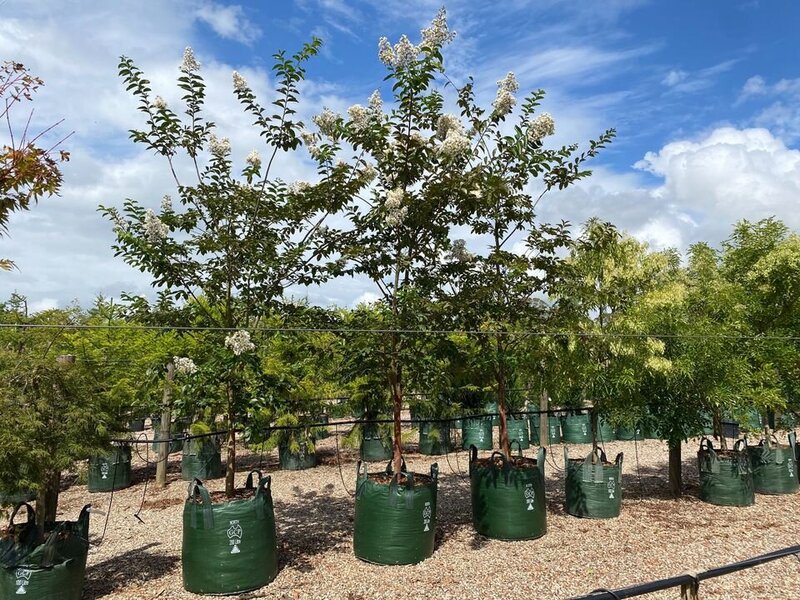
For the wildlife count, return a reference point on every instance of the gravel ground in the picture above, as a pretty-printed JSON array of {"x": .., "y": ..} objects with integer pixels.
[{"x": 655, "y": 537}]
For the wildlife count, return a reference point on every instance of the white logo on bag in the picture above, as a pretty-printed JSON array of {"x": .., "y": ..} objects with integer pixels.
[
  {"x": 23, "y": 577},
  {"x": 530, "y": 495},
  {"x": 791, "y": 470},
  {"x": 104, "y": 470},
  {"x": 612, "y": 487},
  {"x": 235, "y": 536},
  {"x": 426, "y": 516},
  {"x": 583, "y": 428}
]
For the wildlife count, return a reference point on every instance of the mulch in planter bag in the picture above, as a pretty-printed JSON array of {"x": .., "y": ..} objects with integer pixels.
[
  {"x": 229, "y": 547},
  {"x": 395, "y": 521},
  {"x": 593, "y": 489},
  {"x": 476, "y": 432},
  {"x": 774, "y": 466},
  {"x": 518, "y": 431},
  {"x": 297, "y": 461},
  {"x": 111, "y": 470},
  {"x": 434, "y": 438},
  {"x": 576, "y": 429},
  {"x": 48, "y": 569},
  {"x": 554, "y": 426},
  {"x": 201, "y": 459},
  {"x": 726, "y": 476},
  {"x": 508, "y": 500}
]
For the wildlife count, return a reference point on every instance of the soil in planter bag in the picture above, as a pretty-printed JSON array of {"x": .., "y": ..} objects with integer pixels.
[
  {"x": 518, "y": 431},
  {"x": 434, "y": 438},
  {"x": 395, "y": 522},
  {"x": 593, "y": 490},
  {"x": 508, "y": 500},
  {"x": 229, "y": 547},
  {"x": 110, "y": 471},
  {"x": 476, "y": 432},
  {"x": 49, "y": 569},
  {"x": 296, "y": 461},
  {"x": 201, "y": 459},
  {"x": 376, "y": 445},
  {"x": 726, "y": 476},
  {"x": 774, "y": 466},
  {"x": 576, "y": 429}
]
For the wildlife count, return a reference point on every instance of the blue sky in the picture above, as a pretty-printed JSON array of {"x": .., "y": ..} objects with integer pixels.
[{"x": 705, "y": 97}]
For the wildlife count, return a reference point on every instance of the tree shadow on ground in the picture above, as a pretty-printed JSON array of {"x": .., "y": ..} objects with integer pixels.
[{"x": 135, "y": 566}]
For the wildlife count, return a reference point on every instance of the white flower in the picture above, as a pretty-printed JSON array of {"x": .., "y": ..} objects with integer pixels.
[
  {"x": 437, "y": 34},
  {"x": 455, "y": 144},
  {"x": 159, "y": 103},
  {"x": 405, "y": 52},
  {"x": 189, "y": 63},
  {"x": 184, "y": 365},
  {"x": 508, "y": 83},
  {"x": 447, "y": 123},
  {"x": 385, "y": 52},
  {"x": 504, "y": 102},
  {"x": 359, "y": 117},
  {"x": 326, "y": 121},
  {"x": 219, "y": 147},
  {"x": 254, "y": 159},
  {"x": 154, "y": 229},
  {"x": 239, "y": 82},
  {"x": 395, "y": 211},
  {"x": 368, "y": 173},
  {"x": 166, "y": 203},
  {"x": 309, "y": 138},
  {"x": 298, "y": 186},
  {"x": 239, "y": 342},
  {"x": 459, "y": 252},
  {"x": 119, "y": 223},
  {"x": 315, "y": 152},
  {"x": 418, "y": 138},
  {"x": 375, "y": 102},
  {"x": 542, "y": 126}
]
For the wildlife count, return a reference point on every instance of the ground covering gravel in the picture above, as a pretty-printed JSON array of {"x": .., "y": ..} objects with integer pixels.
[{"x": 654, "y": 537}]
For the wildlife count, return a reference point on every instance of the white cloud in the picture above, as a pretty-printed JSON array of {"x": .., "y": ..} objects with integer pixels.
[
  {"x": 674, "y": 77},
  {"x": 366, "y": 298},
  {"x": 782, "y": 115},
  {"x": 42, "y": 304},
  {"x": 229, "y": 22},
  {"x": 754, "y": 86}
]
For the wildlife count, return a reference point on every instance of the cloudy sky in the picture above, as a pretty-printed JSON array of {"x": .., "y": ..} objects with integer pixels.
[{"x": 705, "y": 97}]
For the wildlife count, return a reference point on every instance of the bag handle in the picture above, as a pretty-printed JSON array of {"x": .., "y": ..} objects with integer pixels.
[
  {"x": 706, "y": 444},
  {"x": 740, "y": 445},
  {"x": 361, "y": 477},
  {"x": 263, "y": 495},
  {"x": 540, "y": 456},
  {"x": 435, "y": 471},
  {"x": 196, "y": 488},
  {"x": 249, "y": 484},
  {"x": 473, "y": 456},
  {"x": 618, "y": 461},
  {"x": 390, "y": 467},
  {"x": 31, "y": 514}
]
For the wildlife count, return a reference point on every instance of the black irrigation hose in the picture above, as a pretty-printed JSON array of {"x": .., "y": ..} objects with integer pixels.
[
  {"x": 339, "y": 461},
  {"x": 146, "y": 480},
  {"x": 108, "y": 511},
  {"x": 689, "y": 579}
]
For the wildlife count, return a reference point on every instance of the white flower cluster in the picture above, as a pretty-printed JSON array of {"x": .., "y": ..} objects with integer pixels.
[
  {"x": 166, "y": 203},
  {"x": 375, "y": 102},
  {"x": 505, "y": 100},
  {"x": 309, "y": 138},
  {"x": 454, "y": 141},
  {"x": 445, "y": 124},
  {"x": 459, "y": 252},
  {"x": 418, "y": 138},
  {"x": 401, "y": 55},
  {"x": 254, "y": 159},
  {"x": 326, "y": 121},
  {"x": 438, "y": 34},
  {"x": 359, "y": 117},
  {"x": 542, "y": 126},
  {"x": 119, "y": 222},
  {"x": 219, "y": 147},
  {"x": 159, "y": 103},
  {"x": 239, "y": 82},
  {"x": 239, "y": 342},
  {"x": 369, "y": 172},
  {"x": 184, "y": 365},
  {"x": 298, "y": 186},
  {"x": 189, "y": 64},
  {"x": 395, "y": 211},
  {"x": 154, "y": 229}
]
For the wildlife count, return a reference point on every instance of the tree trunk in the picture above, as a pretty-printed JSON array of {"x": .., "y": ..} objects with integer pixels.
[
  {"x": 544, "y": 420},
  {"x": 505, "y": 445},
  {"x": 594, "y": 423},
  {"x": 719, "y": 430},
  {"x": 47, "y": 500},
  {"x": 397, "y": 446},
  {"x": 230, "y": 459},
  {"x": 675, "y": 480},
  {"x": 164, "y": 431}
]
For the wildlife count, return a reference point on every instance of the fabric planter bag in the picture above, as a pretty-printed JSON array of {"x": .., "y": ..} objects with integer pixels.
[
  {"x": 518, "y": 431},
  {"x": 229, "y": 547},
  {"x": 774, "y": 466},
  {"x": 176, "y": 445},
  {"x": 110, "y": 471},
  {"x": 605, "y": 431},
  {"x": 576, "y": 429},
  {"x": 627, "y": 433},
  {"x": 201, "y": 459},
  {"x": 395, "y": 516},
  {"x": 726, "y": 476},
  {"x": 321, "y": 433},
  {"x": 375, "y": 444},
  {"x": 593, "y": 490},
  {"x": 491, "y": 408},
  {"x": 434, "y": 438},
  {"x": 296, "y": 461},
  {"x": 136, "y": 425},
  {"x": 554, "y": 425},
  {"x": 477, "y": 432},
  {"x": 508, "y": 499},
  {"x": 50, "y": 570}
]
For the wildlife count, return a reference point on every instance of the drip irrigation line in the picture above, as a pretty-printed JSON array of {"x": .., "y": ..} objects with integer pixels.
[
  {"x": 146, "y": 479},
  {"x": 638, "y": 466},
  {"x": 108, "y": 511},
  {"x": 339, "y": 461},
  {"x": 523, "y": 333}
]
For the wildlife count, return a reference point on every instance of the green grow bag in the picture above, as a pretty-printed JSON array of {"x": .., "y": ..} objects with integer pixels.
[
  {"x": 627, "y": 433},
  {"x": 376, "y": 445},
  {"x": 576, "y": 429},
  {"x": 492, "y": 408},
  {"x": 477, "y": 432},
  {"x": 176, "y": 445},
  {"x": 296, "y": 461},
  {"x": 136, "y": 425},
  {"x": 321, "y": 433},
  {"x": 605, "y": 431},
  {"x": 554, "y": 422},
  {"x": 110, "y": 471},
  {"x": 434, "y": 438},
  {"x": 457, "y": 424},
  {"x": 508, "y": 500},
  {"x": 7, "y": 499},
  {"x": 726, "y": 476},
  {"x": 774, "y": 466},
  {"x": 593, "y": 491},
  {"x": 395, "y": 520},
  {"x": 52, "y": 570},
  {"x": 229, "y": 547},
  {"x": 201, "y": 459},
  {"x": 518, "y": 431}
]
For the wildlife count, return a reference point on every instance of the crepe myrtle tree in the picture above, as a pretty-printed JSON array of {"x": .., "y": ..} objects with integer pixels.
[{"x": 238, "y": 240}]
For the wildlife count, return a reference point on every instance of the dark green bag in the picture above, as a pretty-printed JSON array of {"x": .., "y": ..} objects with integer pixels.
[
  {"x": 296, "y": 461},
  {"x": 518, "y": 431},
  {"x": 605, "y": 431},
  {"x": 201, "y": 459},
  {"x": 627, "y": 433},
  {"x": 593, "y": 491},
  {"x": 110, "y": 471},
  {"x": 434, "y": 438},
  {"x": 321, "y": 433},
  {"x": 554, "y": 422},
  {"x": 136, "y": 425},
  {"x": 229, "y": 547},
  {"x": 726, "y": 477},
  {"x": 176, "y": 445},
  {"x": 508, "y": 503},
  {"x": 395, "y": 524},
  {"x": 52, "y": 570},
  {"x": 576, "y": 429},
  {"x": 477, "y": 432},
  {"x": 376, "y": 445},
  {"x": 774, "y": 466},
  {"x": 491, "y": 408}
]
